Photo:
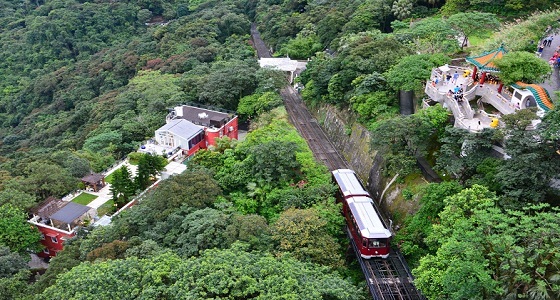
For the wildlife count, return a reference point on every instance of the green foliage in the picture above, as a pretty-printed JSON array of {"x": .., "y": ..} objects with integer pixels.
[
  {"x": 122, "y": 186},
  {"x": 522, "y": 66},
  {"x": 411, "y": 72},
  {"x": 523, "y": 35},
  {"x": 404, "y": 138},
  {"x": 113, "y": 250},
  {"x": 16, "y": 286},
  {"x": 534, "y": 161},
  {"x": 15, "y": 232},
  {"x": 429, "y": 36},
  {"x": 10, "y": 263},
  {"x": 488, "y": 253},
  {"x": 48, "y": 179},
  {"x": 469, "y": 23},
  {"x": 505, "y": 8},
  {"x": 462, "y": 152},
  {"x": 192, "y": 233},
  {"x": 17, "y": 198},
  {"x": 256, "y": 104},
  {"x": 274, "y": 161},
  {"x": 299, "y": 231},
  {"x": 134, "y": 158},
  {"x": 411, "y": 237},
  {"x": 304, "y": 46},
  {"x": 61, "y": 263},
  {"x": 228, "y": 273},
  {"x": 148, "y": 167},
  {"x": 374, "y": 105}
]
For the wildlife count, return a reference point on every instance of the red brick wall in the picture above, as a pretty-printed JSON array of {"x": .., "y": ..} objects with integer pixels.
[
  {"x": 212, "y": 136},
  {"x": 49, "y": 244}
]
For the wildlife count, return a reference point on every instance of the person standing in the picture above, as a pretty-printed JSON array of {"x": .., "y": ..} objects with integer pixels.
[
  {"x": 455, "y": 77},
  {"x": 540, "y": 49}
]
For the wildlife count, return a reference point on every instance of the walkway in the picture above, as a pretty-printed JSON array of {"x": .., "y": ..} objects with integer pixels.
[
  {"x": 104, "y": 194},
  {"x": 553, "y": 83}
]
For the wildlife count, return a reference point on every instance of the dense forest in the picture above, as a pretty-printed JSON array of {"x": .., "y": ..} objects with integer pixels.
[{"x": 84, "y": 83}]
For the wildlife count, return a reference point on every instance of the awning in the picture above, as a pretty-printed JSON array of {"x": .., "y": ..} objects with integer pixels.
[
  {"x": 485, "y": 61},
  {"x": 51, "y": 234},
  {"x": 444, "y": 68}
]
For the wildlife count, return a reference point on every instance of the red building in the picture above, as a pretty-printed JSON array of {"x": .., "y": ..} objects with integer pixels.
[
  {"x": 58, "y": 221},
  {"x": 191, "y": 128}
]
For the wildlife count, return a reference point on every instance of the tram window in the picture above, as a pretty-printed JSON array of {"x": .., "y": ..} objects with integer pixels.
[{"x": 375, "y": 243}]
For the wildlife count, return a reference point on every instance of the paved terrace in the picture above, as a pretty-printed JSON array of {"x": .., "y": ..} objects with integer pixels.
[{"x": 465, "y": 116}]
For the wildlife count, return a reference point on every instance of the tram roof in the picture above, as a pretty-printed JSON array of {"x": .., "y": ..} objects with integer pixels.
[
  {"x": 348, "y": 182},
  {"x": 367, "y": 218}
]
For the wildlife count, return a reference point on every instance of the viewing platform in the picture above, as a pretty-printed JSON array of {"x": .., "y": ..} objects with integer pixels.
[{"x": 481, "y": 105}]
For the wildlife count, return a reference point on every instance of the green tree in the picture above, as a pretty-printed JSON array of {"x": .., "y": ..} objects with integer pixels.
[
  {"x": 522, "y": 66},
  {"x": 15, "y": 232},
  {"x": 299, "y": 231},
  {"x": 404, "y": 138},
  {"x": 48, "y": 179},
  {"x": 461, "y": 152},
  {"x": 149, "y": 166},
  {"x": 485, "y": 252},
  {"x": 193, "y": 188},
  {"x": 534, "y": 161},
  {"x": 417, "y": 227},
  {"x": 256, "y": 104},
  {"x": 430, "y": 36},
  {"x": 17, "y": 198},
  {"x": 411, "y": 72},
  {"x": 231, "y": 273},
  {"x": 122, "y": 187},
  {"x": 274, "y": 161},
  {"x": 113, "y": 250},
  {"x": 303, "y": 46},
  {"x": 469, "y": 23},
  {"x": 194, "y": 232},
  {"x": 10, "y": 263},
  {"x": 402, "y": 9}
]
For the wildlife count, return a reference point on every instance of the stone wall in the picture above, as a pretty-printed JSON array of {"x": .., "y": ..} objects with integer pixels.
[{"x": 352, "y": 140}]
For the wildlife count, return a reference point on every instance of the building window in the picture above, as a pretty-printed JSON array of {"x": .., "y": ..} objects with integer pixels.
[
  {"x": 46, "y": 251},
  {"x": 196, "y": 139},
  {"x": 42, "y": 237},
  {"x": 54, "y": 239}
]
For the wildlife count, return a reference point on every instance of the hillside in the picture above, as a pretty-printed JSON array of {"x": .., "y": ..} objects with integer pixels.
[{"x": 84, "y": 83}]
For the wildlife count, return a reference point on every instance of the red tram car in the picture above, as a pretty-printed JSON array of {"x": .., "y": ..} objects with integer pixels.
[{"x": 368, "y": 231}]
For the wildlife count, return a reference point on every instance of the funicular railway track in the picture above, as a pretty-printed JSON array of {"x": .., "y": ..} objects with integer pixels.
[
  {"x": 387, "y": 279},
  {"x": 308, "y": 127},
  {"x": 258, "y": 44}
]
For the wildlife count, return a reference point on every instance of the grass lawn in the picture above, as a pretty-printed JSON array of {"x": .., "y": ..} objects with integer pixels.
[
  {"x": 106, "y": 208},
  {"x": 109, "y": 178},
  {"x": 84, "y": 198}
]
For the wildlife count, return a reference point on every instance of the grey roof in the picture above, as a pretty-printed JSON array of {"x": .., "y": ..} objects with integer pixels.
[
  {"x": 281, "y": 63},
  {"x": 367, "y": 218},
  {"x": 194, "y": 114},
  {"x": 181, "y": 128},
  {"x": 93, "y": 178},
  {"x": 348, "y": 182},
  {"x": 103, "y": 221},
  {"x": 70, "y": 212}
]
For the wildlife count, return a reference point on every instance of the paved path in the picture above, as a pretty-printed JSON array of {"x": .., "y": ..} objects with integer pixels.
[{"x": 553, "y": 83}]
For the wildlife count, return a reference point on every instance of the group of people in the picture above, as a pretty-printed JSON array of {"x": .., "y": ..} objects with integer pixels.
[
  {"x": 546, "y": 42},
  {"x": 555, "y": 58},
  {"x": 456, "y": 93}
]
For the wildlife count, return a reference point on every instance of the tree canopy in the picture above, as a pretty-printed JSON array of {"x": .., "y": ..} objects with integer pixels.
[{"x": 231, "y": 273}]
